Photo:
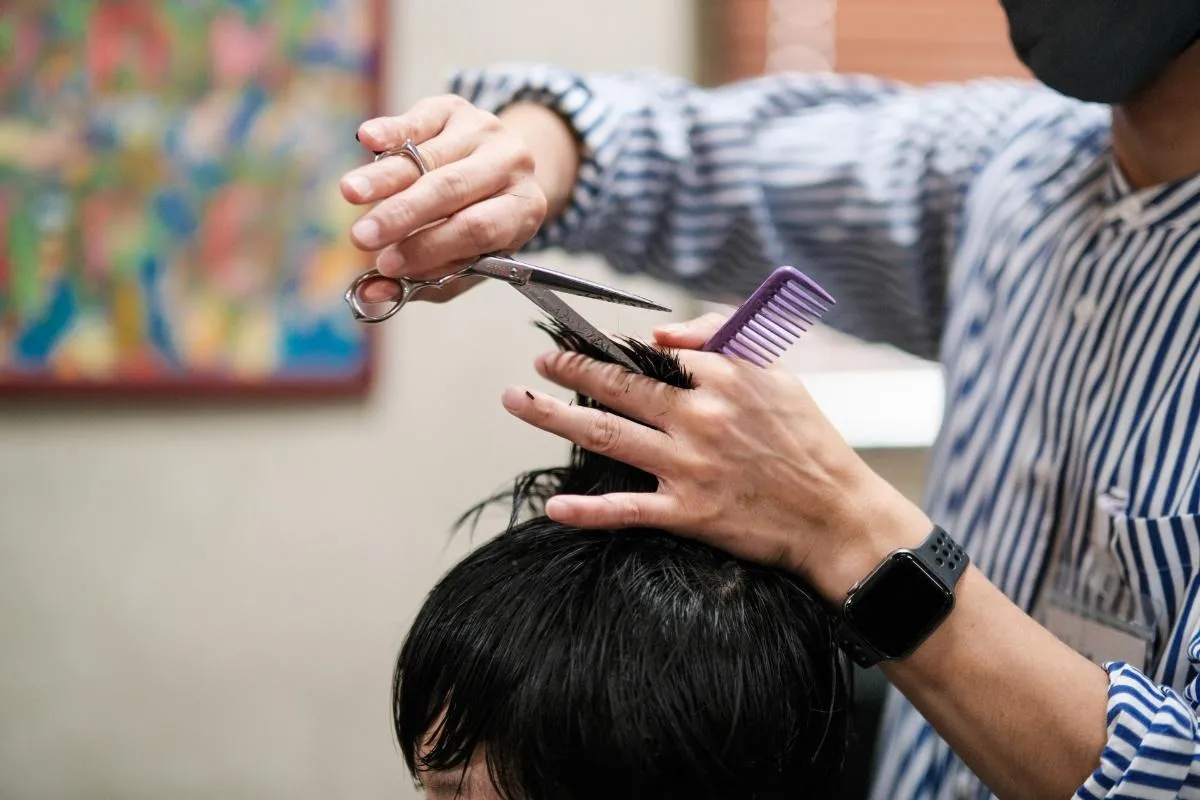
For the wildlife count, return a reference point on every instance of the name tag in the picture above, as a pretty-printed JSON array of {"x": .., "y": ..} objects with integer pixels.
[{"x": 1091, "y": 606}]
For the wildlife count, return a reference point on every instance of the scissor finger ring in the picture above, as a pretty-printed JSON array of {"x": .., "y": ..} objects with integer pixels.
[
  {"x": 407, "y": 149},
  {"x": 354, "y": 299}
]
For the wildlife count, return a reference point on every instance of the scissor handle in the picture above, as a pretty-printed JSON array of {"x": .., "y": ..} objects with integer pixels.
[{"x": 405, "y": 288}]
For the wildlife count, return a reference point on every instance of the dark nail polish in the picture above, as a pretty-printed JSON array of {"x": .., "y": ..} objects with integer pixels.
[
  {"x": 529, "y": 394},
  {"x": 357, "y": 138}
]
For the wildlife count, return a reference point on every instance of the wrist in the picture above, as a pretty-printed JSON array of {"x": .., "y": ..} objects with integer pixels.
[
  {"x": 555, "y": 148},
  {"x": 873, "y": 522}
]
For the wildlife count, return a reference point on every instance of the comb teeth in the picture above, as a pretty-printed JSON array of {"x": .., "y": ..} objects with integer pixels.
[{"x": 786, "y": 305}]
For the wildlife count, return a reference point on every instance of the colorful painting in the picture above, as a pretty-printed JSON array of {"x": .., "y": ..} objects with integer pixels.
[{"x": 169, "y": 207}]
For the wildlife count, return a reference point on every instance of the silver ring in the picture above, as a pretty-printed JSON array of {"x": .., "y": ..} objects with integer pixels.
[{"x": 407, "y": 149}]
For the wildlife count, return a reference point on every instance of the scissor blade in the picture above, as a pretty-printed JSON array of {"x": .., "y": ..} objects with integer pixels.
[
  {"x": 562, "y": 282},
  {"x": 555, "y": 307}
]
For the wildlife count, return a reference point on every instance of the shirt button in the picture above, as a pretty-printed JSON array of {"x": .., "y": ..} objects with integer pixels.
[
  {"x": 962, "y": 786},
  {"x": 1128, "y": 211},
  {"x": 1084, "y": 310}
]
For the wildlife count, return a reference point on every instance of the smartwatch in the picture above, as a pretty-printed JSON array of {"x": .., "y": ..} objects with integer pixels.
[{"x": 889, "y": 613}]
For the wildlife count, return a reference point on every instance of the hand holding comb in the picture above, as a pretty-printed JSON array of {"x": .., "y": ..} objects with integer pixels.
[{"x": 772, "y": 319}]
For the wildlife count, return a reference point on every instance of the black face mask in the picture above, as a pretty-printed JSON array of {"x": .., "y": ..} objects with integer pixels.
[{"x": 1100, "y": 51}]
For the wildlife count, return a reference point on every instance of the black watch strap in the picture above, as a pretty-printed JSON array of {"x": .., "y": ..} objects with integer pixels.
[{"x": 942, "y": 556}]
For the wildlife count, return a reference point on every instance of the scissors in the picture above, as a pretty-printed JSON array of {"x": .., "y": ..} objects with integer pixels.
[{"x": 536, "y": 283}]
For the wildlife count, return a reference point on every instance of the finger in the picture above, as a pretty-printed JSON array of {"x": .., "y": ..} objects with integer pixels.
[
  {"x": 384, "y": 290},
  {"x": 628, "y": 393},
  {"x": 594, "y": 430},
  {"x": 690, "y": 335},
  {"x": 710, "y": 369},
  {"x": 435, "y": 197},
  {"x": 502, "y": 223},
  {"x": 378, "y": 290},
  {"x": 614, "y": 511},
  {"x": 396, "y": 173},
  {"x": 419, "y": 124}
]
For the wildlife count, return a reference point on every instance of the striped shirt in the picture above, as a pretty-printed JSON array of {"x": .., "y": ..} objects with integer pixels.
[{"x": 984, "y": 225}]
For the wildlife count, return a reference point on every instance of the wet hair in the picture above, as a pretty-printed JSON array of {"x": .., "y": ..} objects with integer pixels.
[{"x": 628, "y": 664}]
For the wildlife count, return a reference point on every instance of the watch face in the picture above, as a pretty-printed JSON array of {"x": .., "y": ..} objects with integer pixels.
[{"x": 897, "y": 605}]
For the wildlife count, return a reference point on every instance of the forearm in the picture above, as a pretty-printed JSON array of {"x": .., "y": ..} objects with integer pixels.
[{"x": 1025, "y": 712}]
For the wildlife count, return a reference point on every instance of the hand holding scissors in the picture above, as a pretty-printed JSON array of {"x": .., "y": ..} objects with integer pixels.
[
  {"x": 481, "y": 188},
  {"x": 536, "y": 283}
]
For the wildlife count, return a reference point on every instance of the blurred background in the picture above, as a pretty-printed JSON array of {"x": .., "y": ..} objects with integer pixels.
[{"x": 209, "y": 556}]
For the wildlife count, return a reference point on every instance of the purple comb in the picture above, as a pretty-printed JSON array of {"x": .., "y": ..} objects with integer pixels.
[{"x": 773, "y": 318}]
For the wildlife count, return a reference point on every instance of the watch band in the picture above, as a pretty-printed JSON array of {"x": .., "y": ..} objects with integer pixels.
[
  {"x": 942, "y": 556},
  {"x": 856, "y": 647}
]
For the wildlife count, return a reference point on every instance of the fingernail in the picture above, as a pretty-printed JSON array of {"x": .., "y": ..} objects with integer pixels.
[
  {"x": 542, "y": 362},
  {"x": 357, "y": 138},
  {"x": 558, "y": 507},
  {"x": 371, "y": 129},
  {"x": 515, "y": 398},
  {"x": 361, "y": 186},
  {"x": 675, "y": 328},
  {"x": 367, "y": 232}
]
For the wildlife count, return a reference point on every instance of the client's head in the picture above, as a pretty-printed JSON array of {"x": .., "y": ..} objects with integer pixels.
[{"x": 560, "y": 664}]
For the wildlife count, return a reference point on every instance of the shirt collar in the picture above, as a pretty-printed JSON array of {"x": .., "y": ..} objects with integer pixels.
[{"x": 1175, "y": 204}]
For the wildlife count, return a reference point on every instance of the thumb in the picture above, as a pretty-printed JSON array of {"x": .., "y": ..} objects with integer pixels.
[{"x": 690, "y": 335}]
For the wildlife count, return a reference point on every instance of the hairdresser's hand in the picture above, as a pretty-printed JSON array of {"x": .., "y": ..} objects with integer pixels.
[
  {"x": 491, "y": 183},
  {"x": 746, "y": 462}
]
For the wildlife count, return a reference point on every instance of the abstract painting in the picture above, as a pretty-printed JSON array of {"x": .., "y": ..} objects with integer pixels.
[{"x": 170, "y": 218}]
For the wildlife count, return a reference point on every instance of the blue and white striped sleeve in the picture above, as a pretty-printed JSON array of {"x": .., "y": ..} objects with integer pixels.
[
  {"x": 1153, "y": 748},
  {"x": 855, "y": 180}
]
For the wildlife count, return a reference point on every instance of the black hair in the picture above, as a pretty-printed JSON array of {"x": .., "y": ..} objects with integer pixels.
[{"x": 628, "y": 664}]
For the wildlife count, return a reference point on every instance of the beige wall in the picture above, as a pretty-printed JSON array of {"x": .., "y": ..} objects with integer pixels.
[
  {"x": 207, "y": 604},
  {"x": 200, "y": 603}
]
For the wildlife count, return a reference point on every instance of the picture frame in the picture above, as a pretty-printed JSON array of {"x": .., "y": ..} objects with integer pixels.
[{"x": 170, "y": 218}]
